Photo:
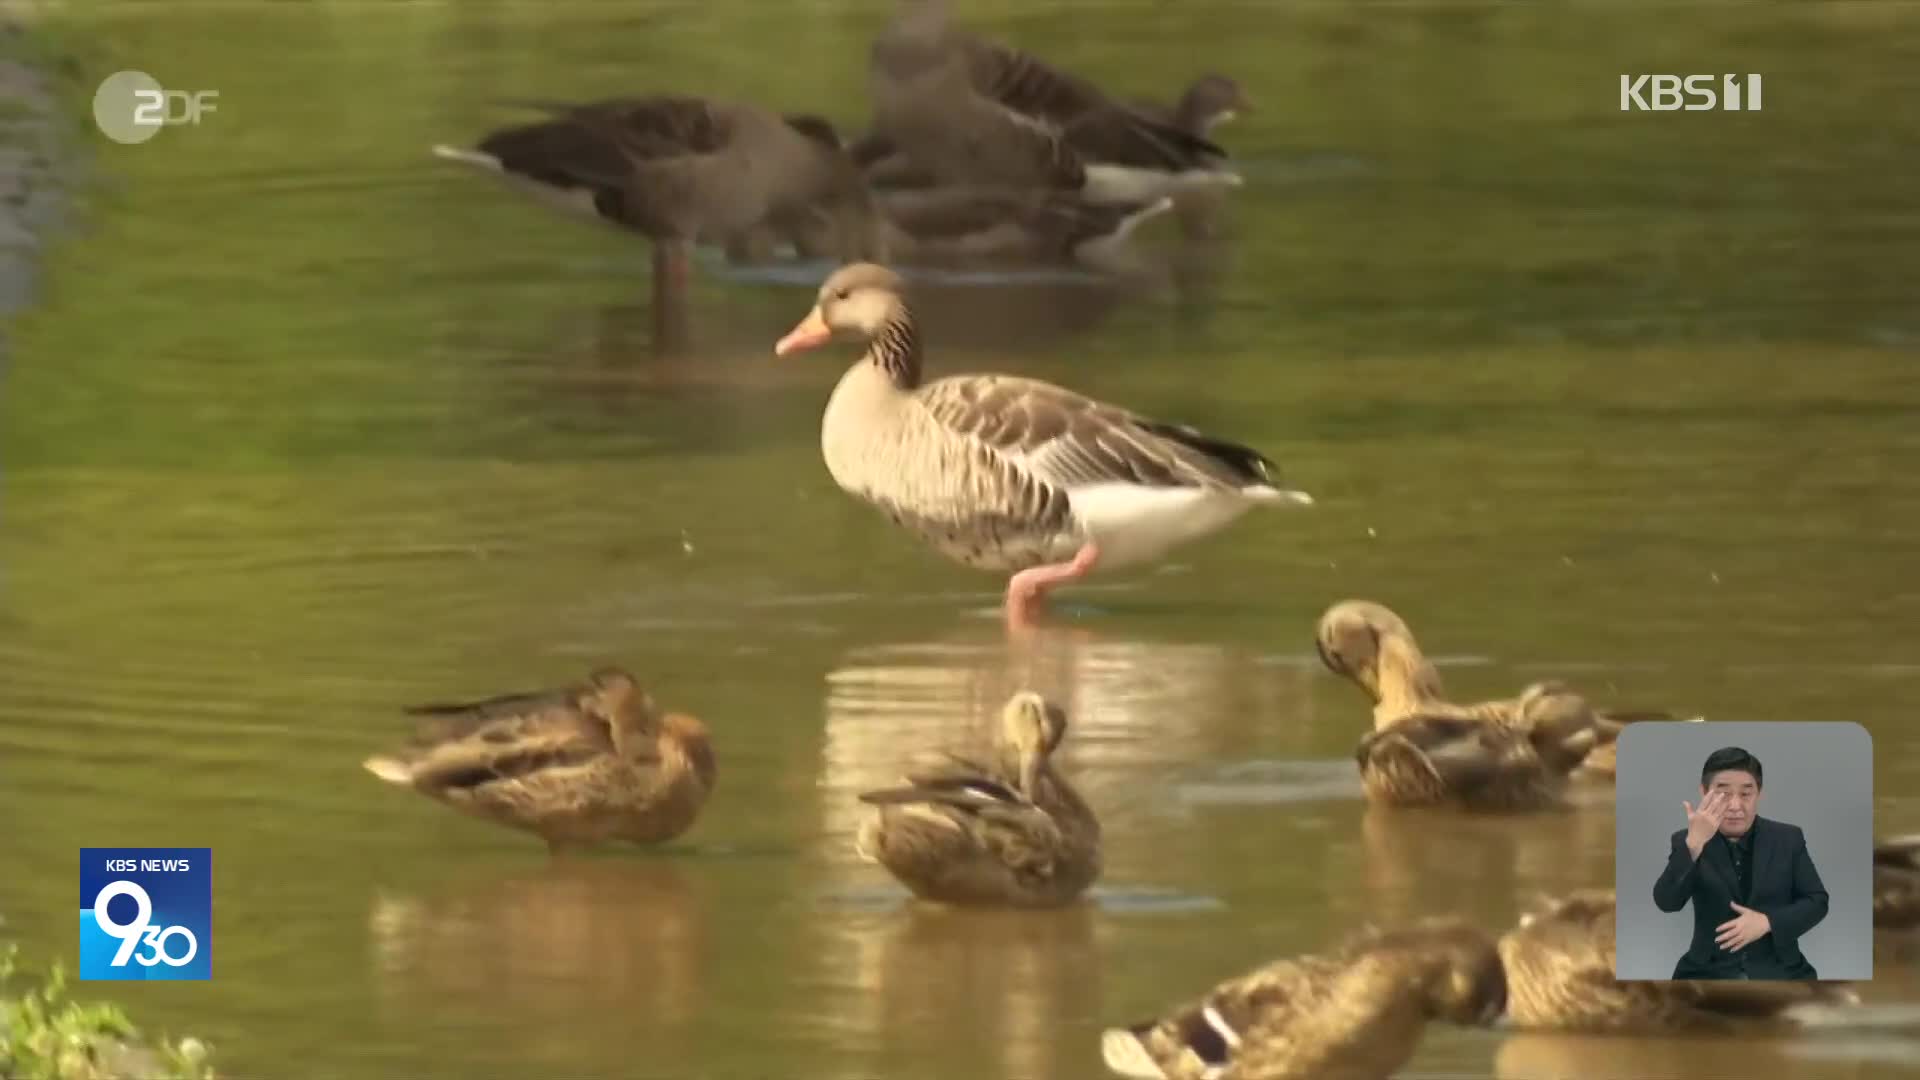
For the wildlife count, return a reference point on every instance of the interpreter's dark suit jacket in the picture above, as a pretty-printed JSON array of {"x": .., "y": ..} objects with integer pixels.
[{"x": 1786, "y": 888}]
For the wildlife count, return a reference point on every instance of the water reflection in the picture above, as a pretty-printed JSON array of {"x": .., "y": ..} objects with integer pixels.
[
  {"x": 559, "y": 945},
  {"x": 1539, "y": 1056},
  {"x": 1416, "y": 863},
  {"x": 1007, "y": 987},
  {"x": 1134, "y": 707}
]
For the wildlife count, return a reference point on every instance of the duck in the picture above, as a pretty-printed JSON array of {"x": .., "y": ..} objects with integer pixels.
[
  {"x": 1007, "y": 832},
  {"x": 1354, "y": 1012},
  {"x": 681, "y": 170},
  {"x": 1560, "y": 964},
  {"x": 1013, "y": 474},
  {"x": 578, "y": 765},
  {"x": 1371, "y": 645},
  {"x": 973, "y": 111},
  {"x": 1896, "y": 883}
]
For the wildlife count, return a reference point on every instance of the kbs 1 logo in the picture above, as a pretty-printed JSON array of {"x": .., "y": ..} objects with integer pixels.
[
  {"x": 146, "y": 913},
  {"x": 1670, "y": 93}
]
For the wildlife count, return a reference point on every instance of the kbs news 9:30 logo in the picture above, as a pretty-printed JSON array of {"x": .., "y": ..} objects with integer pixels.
[{"x": 146, "y": 913}]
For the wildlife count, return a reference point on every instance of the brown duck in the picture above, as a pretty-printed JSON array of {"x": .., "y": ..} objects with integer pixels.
[
  {"x": 579, "y": 765},
  {"x": 1355, "y": 1012},
  {"x": 1369, "y": 644},
  {"x": 1010, "y": 831},
  {"x": 1560, "y": 977},
  {"x": 1896, "y": 883}
]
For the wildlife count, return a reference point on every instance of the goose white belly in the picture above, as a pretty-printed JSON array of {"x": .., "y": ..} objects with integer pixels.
[{"x": 1134, "y": 524}]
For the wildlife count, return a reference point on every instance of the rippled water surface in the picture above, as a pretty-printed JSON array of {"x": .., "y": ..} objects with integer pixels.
[{"x": 306, "y": 424}]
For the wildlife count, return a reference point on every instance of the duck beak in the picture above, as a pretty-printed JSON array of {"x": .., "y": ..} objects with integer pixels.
[{"x": 812, "y": 333}]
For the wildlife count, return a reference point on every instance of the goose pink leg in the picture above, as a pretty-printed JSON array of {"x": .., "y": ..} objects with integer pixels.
[{"x": 1027, "y": 590}]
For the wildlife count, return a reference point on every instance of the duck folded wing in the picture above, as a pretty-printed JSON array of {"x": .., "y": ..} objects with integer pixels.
[
  {"x": 497, "y": 718},
  {"x": 1069, "y": 441},
  {"x": 514, "y": 748},
  {"x": 965, "y": 793},
  {"x": 1461, "y": 754}
]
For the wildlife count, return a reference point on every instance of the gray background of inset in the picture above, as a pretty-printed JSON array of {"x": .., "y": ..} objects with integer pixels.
[{"x": 1817, "y": 775}]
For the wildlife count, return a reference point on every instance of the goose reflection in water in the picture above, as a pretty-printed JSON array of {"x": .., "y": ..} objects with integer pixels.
[{"x": 561, "y": 946}]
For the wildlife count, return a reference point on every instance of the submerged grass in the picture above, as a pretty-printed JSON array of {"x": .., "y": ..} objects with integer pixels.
[{"x": 46, "y": 1035}]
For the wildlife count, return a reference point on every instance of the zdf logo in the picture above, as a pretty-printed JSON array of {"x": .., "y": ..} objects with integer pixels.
[
  {"x": 132, "y": 106},
  {"x": 1664, "y": 93},
  {"x": 140, "y": 930}
]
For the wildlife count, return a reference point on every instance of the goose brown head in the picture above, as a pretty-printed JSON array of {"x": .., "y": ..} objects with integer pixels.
[
  {"x": 859, "y": 299},
  {"x": 1212, "y": 99}
]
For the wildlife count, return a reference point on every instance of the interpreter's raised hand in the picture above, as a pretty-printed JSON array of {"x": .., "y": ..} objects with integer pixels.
[{"x": 1704, "y": 821}]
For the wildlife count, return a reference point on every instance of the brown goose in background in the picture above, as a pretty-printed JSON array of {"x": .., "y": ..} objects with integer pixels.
[
  {"x": 1006, "y": 473},
  {"x": 1010, "y": 831},
  {"x": 1370, "y": 645},
  {"x": 681, "y": 170},
  {"x": 578, "y": 765},
  {"x": 1212, "y": 100},
  {"x": 1560, "y": 963},
  {"x": 976, "y": 113},
  {"x": 1354, "y": 1012}
]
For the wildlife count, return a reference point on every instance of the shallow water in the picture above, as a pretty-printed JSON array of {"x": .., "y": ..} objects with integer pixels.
[{"x": 307, "y": 425}]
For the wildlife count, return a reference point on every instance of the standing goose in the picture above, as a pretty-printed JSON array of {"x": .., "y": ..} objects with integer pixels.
[
  {"x": 1560, "y": 963},
  {"x": 680, "y": 170},
  {"x": 1354, "y": 1012},
  {"x": 578, "y": 765},
  {"x": 975, "y": 112},
  {"x": 1369, "y": 644},
  {"x": 1005, "y": 473},
  {"x": 1008, "y": 832}
]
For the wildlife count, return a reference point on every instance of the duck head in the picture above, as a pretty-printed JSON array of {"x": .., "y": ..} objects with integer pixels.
[
  {"x": 1031, "y": 727},
  {"x": 1369, "y": 644}
]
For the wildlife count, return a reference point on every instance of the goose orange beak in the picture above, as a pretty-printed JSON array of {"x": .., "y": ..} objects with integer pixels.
[{"x": 812, "y": 333}]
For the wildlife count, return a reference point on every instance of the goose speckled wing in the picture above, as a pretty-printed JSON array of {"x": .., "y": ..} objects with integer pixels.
[
  {"x": 1071, "y": 441},
  {"x": 1354, "y": 1012},
  {"x": 577, "y": 765},
  {"x": 1560, "y": 977}
]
